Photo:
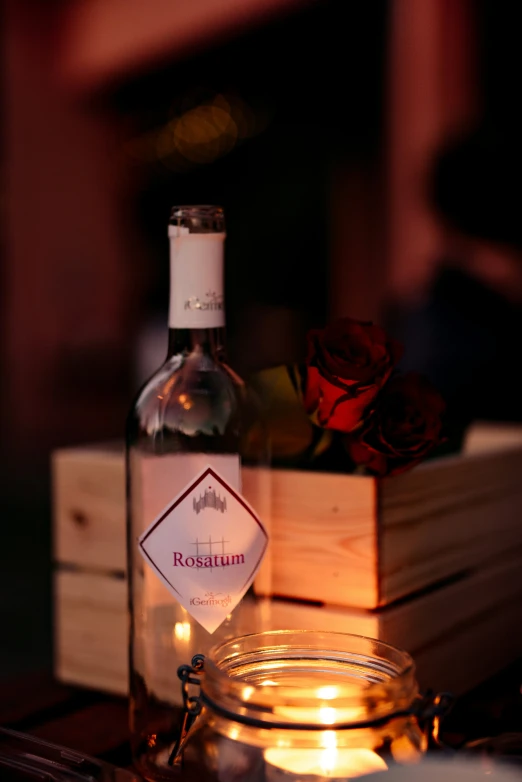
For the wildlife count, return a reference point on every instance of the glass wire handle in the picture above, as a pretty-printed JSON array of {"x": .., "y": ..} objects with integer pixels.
[
  {"x": 430, "y": 712},
  {"x": 189, "y": 674}
]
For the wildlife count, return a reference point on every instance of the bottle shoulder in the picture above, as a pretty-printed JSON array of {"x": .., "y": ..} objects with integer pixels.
[
  {"x": 199, "y": 371},
  {"x": 188, "y": 393}
]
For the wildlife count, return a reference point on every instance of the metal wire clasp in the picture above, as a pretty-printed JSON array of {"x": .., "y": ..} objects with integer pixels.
[
  {"x": 192, "y": 705},
  {"x": 430, "y": 710}
]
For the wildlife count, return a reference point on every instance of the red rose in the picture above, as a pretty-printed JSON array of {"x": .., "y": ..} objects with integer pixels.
[
  {"x": 405, "y": 425},
  {"x": 348, "y": 362}
]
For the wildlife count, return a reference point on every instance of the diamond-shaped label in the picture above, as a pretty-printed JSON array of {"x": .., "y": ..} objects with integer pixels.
[{"x": 206, "y": 546}]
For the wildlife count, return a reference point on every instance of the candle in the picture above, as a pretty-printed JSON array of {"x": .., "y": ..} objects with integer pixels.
[
  {"x": 327, "y": 761},
  {"x": 330, "y": 764},
  {"x": 324, "y": 715},
  {"x": 325, "y": 710}
]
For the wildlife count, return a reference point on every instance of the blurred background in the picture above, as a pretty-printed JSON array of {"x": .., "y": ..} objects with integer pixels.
[{"x": 368, "y": 158}]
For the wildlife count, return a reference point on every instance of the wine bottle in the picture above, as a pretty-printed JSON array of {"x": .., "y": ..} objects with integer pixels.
[{"x": 194, "y": 543}]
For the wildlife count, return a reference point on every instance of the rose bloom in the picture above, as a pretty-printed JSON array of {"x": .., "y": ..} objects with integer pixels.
[
  {"x": 347, "y": 364},
  {"x": 405, "y": 425}
]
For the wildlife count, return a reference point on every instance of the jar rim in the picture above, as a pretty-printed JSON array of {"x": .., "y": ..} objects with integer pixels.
[{"x": 351, "y": 677}]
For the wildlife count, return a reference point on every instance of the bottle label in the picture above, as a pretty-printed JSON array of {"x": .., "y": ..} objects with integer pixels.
[
  {"x": 196, "y": 280},
  {"x": 206, "y": 547}
]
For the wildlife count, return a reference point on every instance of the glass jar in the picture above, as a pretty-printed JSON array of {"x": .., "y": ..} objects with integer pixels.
[{"x": 299, "y": 707}]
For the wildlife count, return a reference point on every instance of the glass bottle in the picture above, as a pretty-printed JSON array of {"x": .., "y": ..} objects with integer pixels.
[
  {"x": 194, "y": 543},
  {"x": 290, "y": 706}
]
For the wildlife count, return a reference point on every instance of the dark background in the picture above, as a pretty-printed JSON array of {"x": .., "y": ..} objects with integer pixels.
[
  {"x": 315, "y": 88},
  {"x": 313, "y": 199}
]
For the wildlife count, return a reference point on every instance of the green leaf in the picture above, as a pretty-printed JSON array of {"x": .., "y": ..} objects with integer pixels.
[{"x": 292, "y": 433}]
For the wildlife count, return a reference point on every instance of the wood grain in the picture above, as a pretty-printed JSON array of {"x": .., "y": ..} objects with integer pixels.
[
  {"x": 91, "y": 627},
  {"x": 465, "y": 632},
  {"x": 324, "y": 543},
  {"x": 89, "y": 507},
  {"x": 447, "y": 516},
  {"x": 337, "y": 539},
  {"x": 458, "y": 634},
  {"x": 325, "y": 521}
]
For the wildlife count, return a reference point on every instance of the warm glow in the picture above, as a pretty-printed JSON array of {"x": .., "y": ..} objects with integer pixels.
[
  {"x": 404, "y": 751},
  {"x": 332, "y": 762},
  {"x": 327, "y": 693},
  {"x": 268, "y": 683},
  {"x": 328, "y": 739},
  {"x": 319, "y": 715},
  {"x": 185, "y": 402},
  {"x": 168, "y": 386},
  {"x": 200, "y": 134},
  {"x": 182, "y": 631},
  {"x": 327, "y": 715},
  {"x": 329, "y": 760},
  {"x": 247, "y": 693}
]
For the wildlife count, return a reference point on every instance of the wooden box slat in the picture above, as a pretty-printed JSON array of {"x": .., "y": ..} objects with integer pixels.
[
  {"x": 430, "y": 560},
  {"x": 91, "y": 630},
  {"x": 89, "y": 507},
  {"x": 447, "y": 516},
  {"x": 458, "y": 634},
  {"x": 323, "y": 541},
  {"x": 338, "y": 539}
]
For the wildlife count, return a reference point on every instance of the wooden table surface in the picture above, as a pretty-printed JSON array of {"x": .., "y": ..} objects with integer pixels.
[{"x": 96, "y": 723}]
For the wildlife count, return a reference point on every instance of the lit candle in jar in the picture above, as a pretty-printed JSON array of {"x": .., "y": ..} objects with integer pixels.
[
  {"x": 331, "y": 764},
  {"x": 327, "y": 762},
  {"x": 325, "y": 710}
]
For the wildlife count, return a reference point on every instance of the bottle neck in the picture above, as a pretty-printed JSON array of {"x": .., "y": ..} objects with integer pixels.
[{"x": 210, "y": 341}]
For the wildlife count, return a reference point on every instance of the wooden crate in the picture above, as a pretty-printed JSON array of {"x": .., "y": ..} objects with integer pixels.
[
  {"x": 338, "y": 539},
  {"x": 458, "y": 635},
  {"x": 430, "y": 560}
]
